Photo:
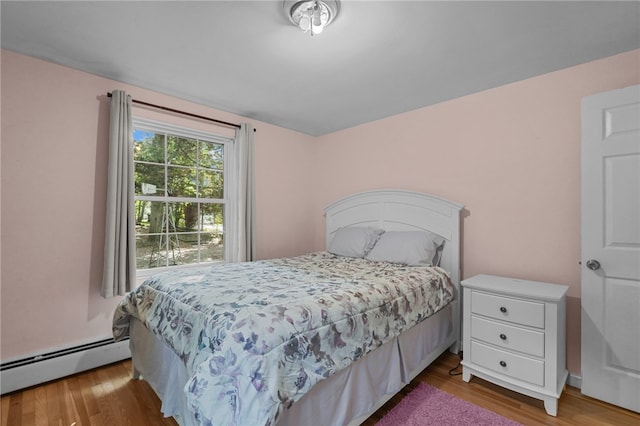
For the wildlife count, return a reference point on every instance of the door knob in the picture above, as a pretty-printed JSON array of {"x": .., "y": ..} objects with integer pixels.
[{"x": 593, "y": 264}]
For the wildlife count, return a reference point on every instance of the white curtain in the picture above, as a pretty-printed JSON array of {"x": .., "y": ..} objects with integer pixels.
[
  {"x": 119, "y": 272},
  {"x": 243, "y": 191}
]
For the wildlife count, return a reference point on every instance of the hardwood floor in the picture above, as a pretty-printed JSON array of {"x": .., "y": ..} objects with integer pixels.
[
  {"x": 108, "y": 397},
  {"x": 573, "y": 408}
]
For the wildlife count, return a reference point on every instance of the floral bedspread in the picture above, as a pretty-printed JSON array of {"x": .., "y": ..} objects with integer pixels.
[{"x": 256, "y": 336}]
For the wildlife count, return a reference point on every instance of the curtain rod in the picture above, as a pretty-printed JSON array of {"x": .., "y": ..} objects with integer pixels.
[{"x": 177, "y": 111}]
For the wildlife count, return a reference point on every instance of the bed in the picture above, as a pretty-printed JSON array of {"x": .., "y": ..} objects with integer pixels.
[{"x": 329, "y": 362}]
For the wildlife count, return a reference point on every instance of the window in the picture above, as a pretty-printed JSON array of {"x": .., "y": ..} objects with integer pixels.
[{"x": 180, "y": 195}]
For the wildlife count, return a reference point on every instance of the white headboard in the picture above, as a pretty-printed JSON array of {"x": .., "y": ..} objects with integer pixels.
[{"x": 401, "y": 210}]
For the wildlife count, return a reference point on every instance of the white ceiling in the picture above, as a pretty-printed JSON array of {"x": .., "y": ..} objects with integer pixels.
[{"x": 378, "y": 58}]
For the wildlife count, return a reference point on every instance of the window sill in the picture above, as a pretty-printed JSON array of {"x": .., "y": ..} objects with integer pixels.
[{"x": 143, "y": 274}]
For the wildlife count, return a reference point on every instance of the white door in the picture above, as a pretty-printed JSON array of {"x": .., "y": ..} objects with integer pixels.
[{"x": 611, "y": 247}]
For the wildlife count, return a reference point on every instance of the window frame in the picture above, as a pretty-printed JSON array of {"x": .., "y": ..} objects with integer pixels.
[{"x": 145, "y": 124}]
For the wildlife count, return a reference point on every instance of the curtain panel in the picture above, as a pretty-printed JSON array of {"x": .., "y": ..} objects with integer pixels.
[
  {"x": 119, "y": 273},
  {"x": 244, "y": 248}
]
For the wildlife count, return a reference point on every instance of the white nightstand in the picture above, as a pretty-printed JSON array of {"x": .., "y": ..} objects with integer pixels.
[{"x": 514, "y": 336}]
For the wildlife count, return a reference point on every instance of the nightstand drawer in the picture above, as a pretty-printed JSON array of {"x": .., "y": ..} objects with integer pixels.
[
  {"x": 529, "y": 342},
  {"x": 507, "y": 363},
  {"x": 508, "y": 309}
]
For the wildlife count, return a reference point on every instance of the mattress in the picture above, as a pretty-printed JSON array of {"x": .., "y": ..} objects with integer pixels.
[
  {"x": 256, "y": 337},
  {"x": 348, "y": 397}
]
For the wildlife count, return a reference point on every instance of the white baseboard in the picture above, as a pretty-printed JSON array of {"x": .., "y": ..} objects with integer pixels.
[
  {"x": 575, "y": 381},
  {"x": 39, "y": 369}
]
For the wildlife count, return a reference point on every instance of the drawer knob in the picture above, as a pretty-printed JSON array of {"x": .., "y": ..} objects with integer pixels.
[
  {"x": 503, "y": 309},
  {"x": 503, "y": 336},
  {"x": 503, "y": 364}
]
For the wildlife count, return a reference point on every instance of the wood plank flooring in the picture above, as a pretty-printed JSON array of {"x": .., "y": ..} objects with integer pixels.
[
  {"x": 573, "y": 408},
  {"x": 107, "y": 396}
]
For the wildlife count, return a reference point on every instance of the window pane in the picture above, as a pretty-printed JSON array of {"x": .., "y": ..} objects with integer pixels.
[
  {"x": 211, "y": 155},
  {"x": 183, "y": 248},
  {"x": 150, "y": 217},
  {"x": 181, "y": 151},
  {"x": 183, "y": 217},
  {"x": 149, "y": 179},
  {"x": 212, "y": 236},
  {"x": 181, "y": 182},
  {"x": 211, "y": 247},
  {"x": 151, "y": 251},
  {"x": 148, "y": 146},
  {"x": 212, "y": 218},
  {"x": 211, "y": 184},
  {"x": 175, "y": 217}
]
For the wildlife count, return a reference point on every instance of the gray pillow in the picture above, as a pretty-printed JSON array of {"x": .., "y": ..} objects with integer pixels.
[
  {"x": 413, "y": 248},
  {"x": 354, "y": 241}
]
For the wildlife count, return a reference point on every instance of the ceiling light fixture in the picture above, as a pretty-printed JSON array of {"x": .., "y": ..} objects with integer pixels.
[{"x": 311, "y": 15}]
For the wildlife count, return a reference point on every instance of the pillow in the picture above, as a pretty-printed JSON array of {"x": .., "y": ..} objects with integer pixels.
[
  {"x": 413, "y": 248},
  {"x": 354, "y": 241}
]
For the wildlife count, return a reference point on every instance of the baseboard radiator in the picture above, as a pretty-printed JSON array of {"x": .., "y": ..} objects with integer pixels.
[{"x": 37, "y": 369}]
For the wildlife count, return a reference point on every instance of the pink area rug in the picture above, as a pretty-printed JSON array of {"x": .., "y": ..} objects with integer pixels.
[{"x": 426, "y": 405}]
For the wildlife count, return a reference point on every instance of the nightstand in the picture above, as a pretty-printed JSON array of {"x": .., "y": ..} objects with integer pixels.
[{"x": 514, "y": 335}]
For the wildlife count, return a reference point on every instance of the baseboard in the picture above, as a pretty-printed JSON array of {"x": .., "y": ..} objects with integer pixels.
[
  {"x": 575, "y": 381},
  {"x": 37, "y": 369}
]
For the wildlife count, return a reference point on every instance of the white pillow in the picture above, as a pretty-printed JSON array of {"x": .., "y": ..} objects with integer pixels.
[
  {"x": 354, "y": 241},
  {"x": 413, "y": 248}
]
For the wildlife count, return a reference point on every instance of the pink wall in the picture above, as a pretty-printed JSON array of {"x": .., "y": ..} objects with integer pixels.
[
  {"x": 516, "y": 168},
  {"x": 511, "y": 155},
  {"x": 54, "y": 162}
]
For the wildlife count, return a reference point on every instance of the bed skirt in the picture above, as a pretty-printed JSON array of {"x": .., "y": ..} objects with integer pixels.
[{"x": 348, "y": 397}]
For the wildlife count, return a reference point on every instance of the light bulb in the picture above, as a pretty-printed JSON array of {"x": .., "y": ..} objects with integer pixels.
[
  {"x": 316, "y": 22},
  {"x": 317, "y": 29}
]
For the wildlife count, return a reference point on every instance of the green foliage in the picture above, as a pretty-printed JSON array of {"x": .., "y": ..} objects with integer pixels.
[{"x": 186, "y": 167}]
